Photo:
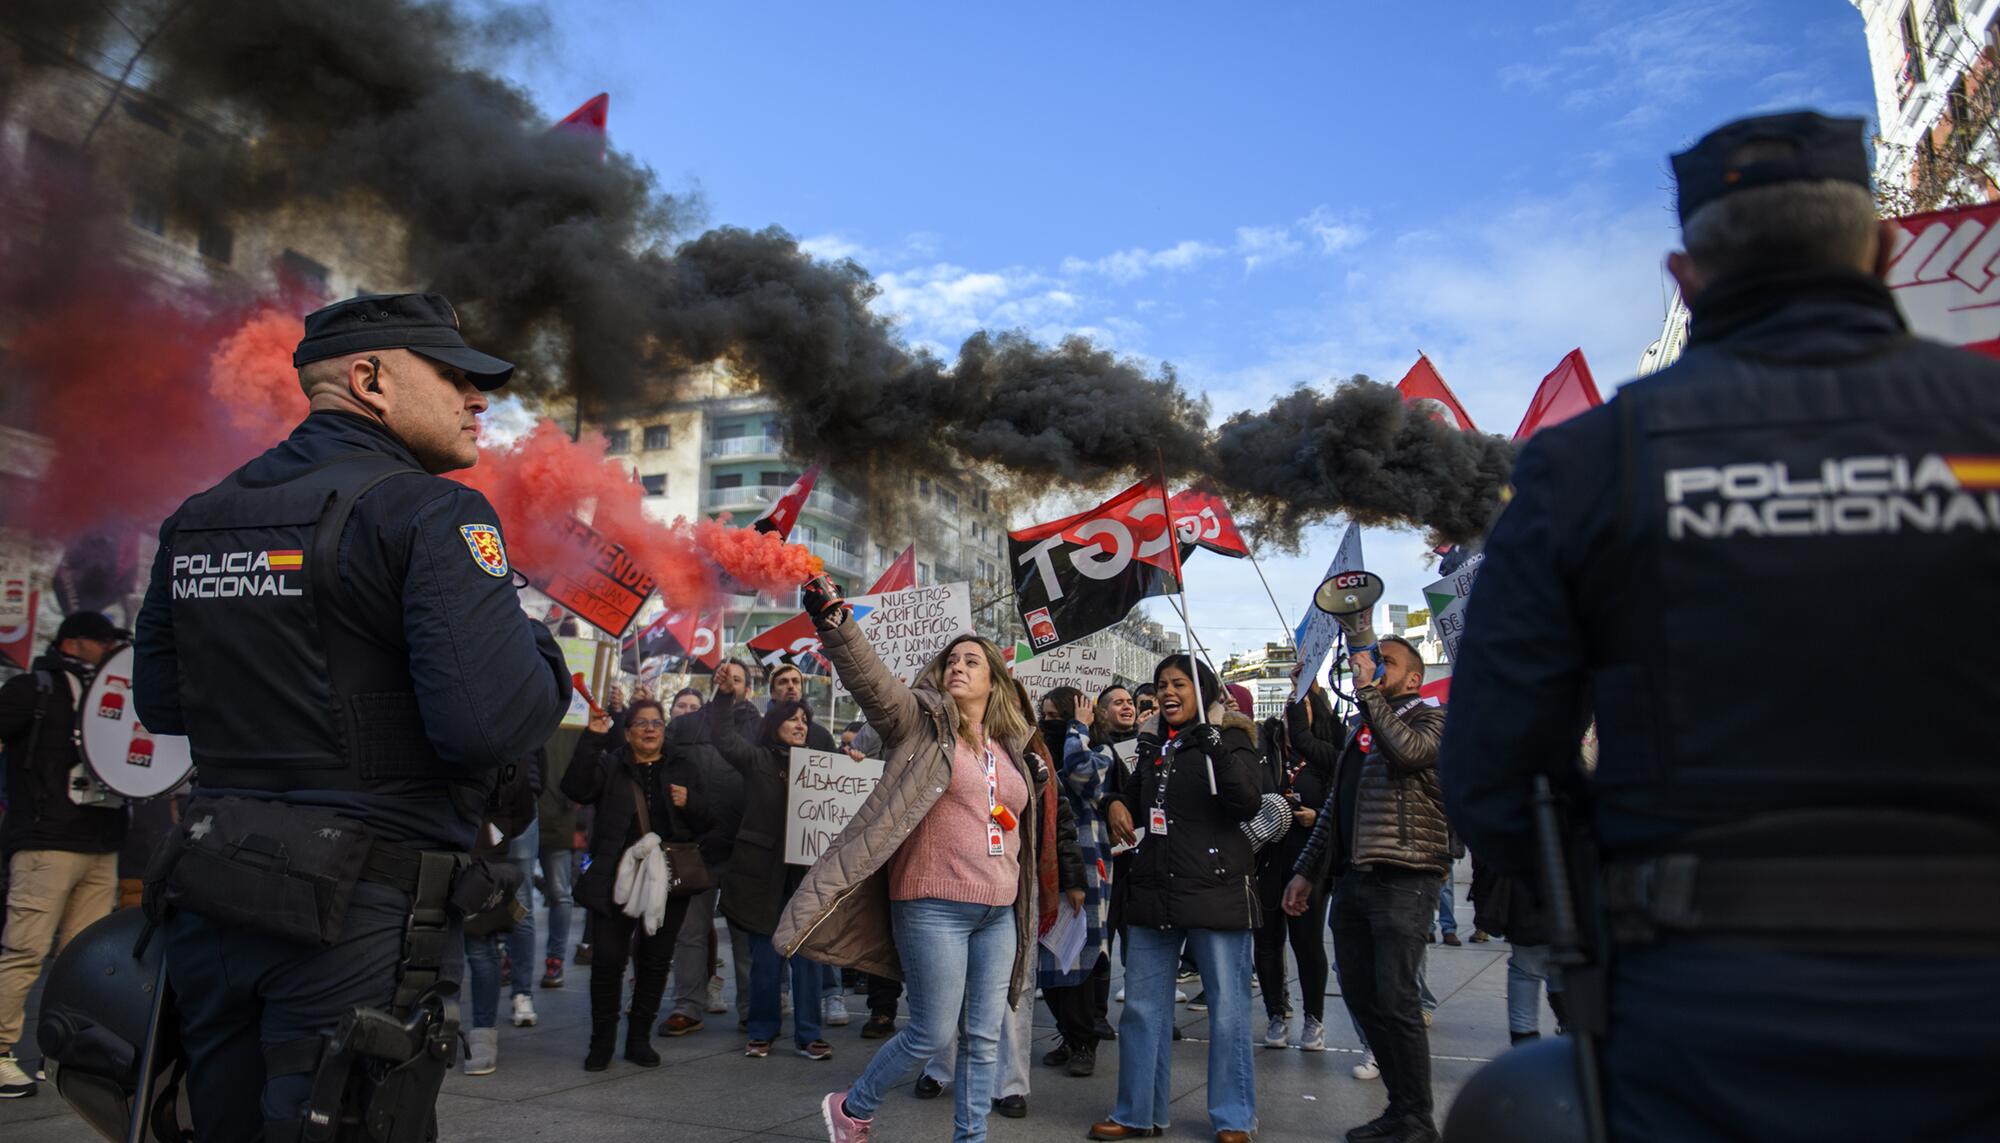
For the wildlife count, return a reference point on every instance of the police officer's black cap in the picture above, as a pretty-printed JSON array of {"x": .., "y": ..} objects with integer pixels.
[
  {"x": 424, "y": 324},
  {"x": 1810, "y": 146},
  {"x": 91, "y": 625}
]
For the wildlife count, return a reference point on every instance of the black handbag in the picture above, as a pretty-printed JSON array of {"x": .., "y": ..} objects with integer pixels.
[{"x": 687, "y": 873}]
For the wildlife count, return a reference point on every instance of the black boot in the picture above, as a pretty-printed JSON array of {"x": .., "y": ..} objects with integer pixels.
[
  {"x": 1561, "y": 1008},
  {"x": 1059, "y": 1055},
  {"x": 1083, "y": 1059},
  {"x": 639, "y": 1038},
  {"x": 1520, "y": 1038},
  {"x": 603, "y": 1037}
]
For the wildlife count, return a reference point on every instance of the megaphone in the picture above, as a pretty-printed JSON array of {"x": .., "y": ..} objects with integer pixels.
[{"x": 1350, "y": 597}]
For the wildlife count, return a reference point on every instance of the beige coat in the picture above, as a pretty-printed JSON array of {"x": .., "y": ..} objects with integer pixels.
[{"x": 840, "y": 914}]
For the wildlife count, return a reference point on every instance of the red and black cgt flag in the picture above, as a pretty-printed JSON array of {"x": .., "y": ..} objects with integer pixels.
[
  {"x": 1077, "y": 576},
  {"x": 1204, "y": 521}
]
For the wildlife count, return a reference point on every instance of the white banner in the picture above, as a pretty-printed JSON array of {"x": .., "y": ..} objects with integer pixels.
[
  {"x": 908, "y": 628},
  {"x": 1447, "y": 598},
  {"x": 1083, "y": 664},
  {"x": 825, "y": 790},
  {"x": 17, "y": 570},
  {"x": 1320, "y": 630}
]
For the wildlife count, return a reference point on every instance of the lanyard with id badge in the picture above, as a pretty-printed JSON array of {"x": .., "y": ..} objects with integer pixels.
[
  {"x": 1156, "y": 817},
  {"x": 999, "y": 819}
]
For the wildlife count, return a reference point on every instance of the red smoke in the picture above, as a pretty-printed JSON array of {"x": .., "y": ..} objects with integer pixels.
[
  {"x": 251, "y": 374},
  {"x": 544, "y": 478}
]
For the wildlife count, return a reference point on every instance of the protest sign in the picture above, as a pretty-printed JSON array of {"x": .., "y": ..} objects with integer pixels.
[
  {"x": 907, "y": 628},
  {"x": 17, "y": 570},
  {"x": 594, "y": 660},
  {"x": 1082, "y": 665},
  {"x": 1447, "y": 598},
  {"x": 825, "y": 790},
  {"x": 1318, "y": 633},
  {"x": 604, "y": 586}
]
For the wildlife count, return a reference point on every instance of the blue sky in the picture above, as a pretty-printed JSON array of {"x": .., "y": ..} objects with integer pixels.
[{"x": 1263, "y": 195}]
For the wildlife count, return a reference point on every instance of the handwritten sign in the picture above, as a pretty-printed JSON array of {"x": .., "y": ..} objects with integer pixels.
[
  {"x": 908, "y": 628},
  {"x": 825, "y": 790},
  {"x": 1081, "y": 664},
  {"x": 1447, "y": 598},
  {"x": 603, "y": 585}
]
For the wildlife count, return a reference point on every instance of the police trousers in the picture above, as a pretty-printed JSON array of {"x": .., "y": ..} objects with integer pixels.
[
  {"x": 240, "y": 992},
  {"x": 1711, "y": 1042}
]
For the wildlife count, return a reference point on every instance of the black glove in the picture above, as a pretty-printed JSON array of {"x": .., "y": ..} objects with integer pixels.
[
  {"x": 821, "y": 596},
  {"x": 1205, "y": 737}
]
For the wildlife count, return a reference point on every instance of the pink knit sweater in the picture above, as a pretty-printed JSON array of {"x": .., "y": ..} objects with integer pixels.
[{"x": 945, "y": 856}]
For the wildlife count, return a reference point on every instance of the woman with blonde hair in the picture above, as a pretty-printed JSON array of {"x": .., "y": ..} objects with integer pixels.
[{"x": 939, "y": 847}]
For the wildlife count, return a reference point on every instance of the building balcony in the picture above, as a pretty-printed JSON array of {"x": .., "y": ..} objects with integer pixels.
[
  {"x": 757, "y": 497},
  {"x": 837, "y": 559},
  {"x": 743, "y": 448}
]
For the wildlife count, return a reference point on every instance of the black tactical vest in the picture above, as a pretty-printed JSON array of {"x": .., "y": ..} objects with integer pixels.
[
  {"x": 284, "y": 685},
  {"x": 1809, "y": 548}
]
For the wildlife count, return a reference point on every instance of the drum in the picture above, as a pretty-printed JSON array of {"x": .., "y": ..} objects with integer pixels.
[{"x": 128, "y": 759}]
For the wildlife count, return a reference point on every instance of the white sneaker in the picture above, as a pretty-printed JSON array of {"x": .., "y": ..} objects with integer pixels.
[
  {"x": 833, "y": 1012},
  {"x": 1279, "y": 1034},
  {"x": 14, "y": 1083},
  {"x": 1312, "y": 1038},
  {"x": 715, "y": 1005},
  {"x": 482, "y": 1051},
  {"x": 1180, "y": 997},
  {"x": 1367, "y": 1069},
  {"x": 1121, "y": 996},
  {"x": 524, "y": 1010},
  {"x": 1427, "y": 1017}
]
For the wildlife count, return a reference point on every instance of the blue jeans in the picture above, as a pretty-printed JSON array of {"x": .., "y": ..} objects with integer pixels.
[
  {"x": 1146, "y": 1030},
  {"x": 558, "y": 868},
  {"x": 1447, "y": 918},
  {"x": 1527, "y": 971},
  {"x": 482, "y": 978},
  {"x": 521, "y": 938},
  {"x": 765, "y": 1008},
  {"x": 956, "y": 957}
]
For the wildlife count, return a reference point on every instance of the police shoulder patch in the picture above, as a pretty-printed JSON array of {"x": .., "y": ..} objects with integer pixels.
[{"x": 483, "y": 541}]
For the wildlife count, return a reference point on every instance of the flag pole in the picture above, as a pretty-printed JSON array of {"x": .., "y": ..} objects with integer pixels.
[
  {"x": 1187, "y": 621},
  {"x": 1272, "y": 595}
]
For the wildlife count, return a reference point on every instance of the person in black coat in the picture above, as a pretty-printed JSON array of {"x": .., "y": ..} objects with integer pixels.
[
  {"x": 716, "y": 797},
  {"x": 1300, "y": 751},
  {"x": 758, "y": 882},
  {"x": 630, "y": 790},
  {"x": 1192, "y": 883}
]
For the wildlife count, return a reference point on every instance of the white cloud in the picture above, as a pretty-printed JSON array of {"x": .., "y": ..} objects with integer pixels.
[
  {"x": 1263, "y": 245},
  {"x": 834, "y": 248},
  {"x": 1334, "y": 233},
  {"x": 1131, "y": 265}
]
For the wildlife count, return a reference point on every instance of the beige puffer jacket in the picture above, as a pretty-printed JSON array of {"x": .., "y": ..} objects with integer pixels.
[{"x": 840, "y": 914}]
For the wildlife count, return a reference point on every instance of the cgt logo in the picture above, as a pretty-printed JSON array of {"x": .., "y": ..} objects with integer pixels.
[
  {"x": 1103, "y": 543},
  {"x": 1945, "y": 271}
]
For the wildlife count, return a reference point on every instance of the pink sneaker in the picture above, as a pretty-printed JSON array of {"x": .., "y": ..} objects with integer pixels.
[{"x": 840, "y": 1126}]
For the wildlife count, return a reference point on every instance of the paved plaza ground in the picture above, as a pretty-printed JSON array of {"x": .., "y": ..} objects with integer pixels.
[{"x": 707, "y": 1091}]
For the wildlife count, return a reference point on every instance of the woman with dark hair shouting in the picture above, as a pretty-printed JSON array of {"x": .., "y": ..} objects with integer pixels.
[
  {"x": 628, "y": 785},
  {"x": 758, "y": 882},
  {"x": 945, "y": 845},
  {"x": 1190, "y": 884}
]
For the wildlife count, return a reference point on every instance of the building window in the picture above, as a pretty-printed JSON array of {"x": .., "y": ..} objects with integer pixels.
[
  {"x": 923, "y": 574},
  {"x": 1911, "y": 73},
  {"x": 804, "y": 533},
  {"x": 924, "y": 487},
  {"x": 149, "y": 212},
  {"x": 987, "y": 574},
  {"x": 883, "y": 556},
  {"x": 1938, "y": 21},
  {"x": 729, "y": 432},
  {"x": 218, "y": 242},
  {"x": 618, "y": 441},
  {"x": 300, "y": 271},
  {"x": 730, "y": 480},
  {"x": 655, "y": 485},
  {"x": 948, "y": 500},
  {"x": 778, "y": 479},
  {"x": 657, "y": 437}
]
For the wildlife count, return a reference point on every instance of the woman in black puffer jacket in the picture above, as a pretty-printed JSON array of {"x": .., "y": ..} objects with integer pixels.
[
  {"x": 758, "y": 883},
  {"x": 1192, "y": 883},
  {"x": 614, "y": 777}
]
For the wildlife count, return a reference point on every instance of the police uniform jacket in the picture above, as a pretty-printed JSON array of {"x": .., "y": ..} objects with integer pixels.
[
  {"x": 1715, "y": 562},
  {"x": 428, "y": 592}
]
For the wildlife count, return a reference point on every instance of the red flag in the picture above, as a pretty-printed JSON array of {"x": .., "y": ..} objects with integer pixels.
[
  {"x": 1078, "y": 575},
  {"x": 588, "y": 120},
  {"x": 796, "y": 640},
  {"x": 1565, "y": 392},
  {"x": 1424, "y": 388},
  {"x": 1945, "y": 274},
  {"x": 780, "y": 516},
  {"x": 1203, "y": 519}
]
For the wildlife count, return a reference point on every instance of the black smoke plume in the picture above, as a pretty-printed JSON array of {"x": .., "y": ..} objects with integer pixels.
[
  {"x": 1359, "y": 452},
  {"x": 568, "y": 264}
]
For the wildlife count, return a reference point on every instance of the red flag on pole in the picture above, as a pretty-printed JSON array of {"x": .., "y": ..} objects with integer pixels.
[
  {"x": 780, "y": 516},
  {"x": 589, "y": 119},
  {"x": 1424, "y": 388},
  {"x": 796, "y": 640},
  {"x": 1565, "y": 392},
  {"x": 1203, "y": 519}
]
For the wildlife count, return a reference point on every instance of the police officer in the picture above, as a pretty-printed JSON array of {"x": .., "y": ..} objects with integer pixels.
[
  {"x": 336, "y": 629},
  {"x": 1794, "y": 812}
]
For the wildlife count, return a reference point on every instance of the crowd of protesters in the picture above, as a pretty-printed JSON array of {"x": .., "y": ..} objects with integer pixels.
[{"x": 1189, "y": 841}]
